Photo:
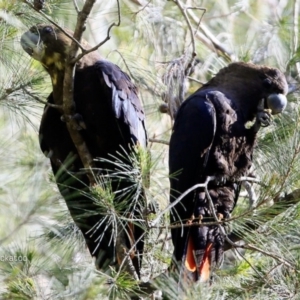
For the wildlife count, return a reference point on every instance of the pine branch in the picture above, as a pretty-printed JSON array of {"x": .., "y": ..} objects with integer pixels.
[{"x": 285, "y": 203}]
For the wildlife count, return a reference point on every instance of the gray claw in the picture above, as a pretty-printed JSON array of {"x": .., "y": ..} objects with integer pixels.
[{"x": 264, "y": 118}]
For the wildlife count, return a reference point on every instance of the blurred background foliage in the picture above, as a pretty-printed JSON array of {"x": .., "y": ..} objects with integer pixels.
[{"x": 156, "y": 44}]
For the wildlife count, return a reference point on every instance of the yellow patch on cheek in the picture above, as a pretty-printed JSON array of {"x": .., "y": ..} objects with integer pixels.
[{"x": 56, "y": 60}]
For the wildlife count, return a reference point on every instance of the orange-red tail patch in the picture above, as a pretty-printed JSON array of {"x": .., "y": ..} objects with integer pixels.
[
  {"x": 190, "y": 262},
  {"x": 204, "y": 269}
]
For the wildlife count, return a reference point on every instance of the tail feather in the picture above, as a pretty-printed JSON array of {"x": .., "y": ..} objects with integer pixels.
[
  {"x": 202, "y": 257},
  {"x": 190, "y": 262},
  {"x": 205, "y": 266}
]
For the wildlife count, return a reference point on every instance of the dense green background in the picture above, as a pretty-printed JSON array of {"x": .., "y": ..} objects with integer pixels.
[{"x": 154, "y": 45}]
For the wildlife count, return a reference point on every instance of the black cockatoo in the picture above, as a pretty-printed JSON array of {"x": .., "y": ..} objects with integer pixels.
[
  {"x": 111, "y": 121},
  {"x": 210, "y": 138}
]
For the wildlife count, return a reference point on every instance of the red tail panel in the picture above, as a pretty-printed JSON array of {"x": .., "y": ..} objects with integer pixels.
[
  {"x": 205, "y": 266},
  {"x": 190, "y": 262}
]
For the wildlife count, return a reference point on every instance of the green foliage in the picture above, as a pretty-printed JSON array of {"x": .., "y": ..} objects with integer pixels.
[{"x": 154, "y": 46}]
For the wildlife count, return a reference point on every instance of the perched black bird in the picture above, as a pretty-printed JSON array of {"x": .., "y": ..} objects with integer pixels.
[
  {"x": 210, "y": 139},
  {"x": 110, "y": 118}
]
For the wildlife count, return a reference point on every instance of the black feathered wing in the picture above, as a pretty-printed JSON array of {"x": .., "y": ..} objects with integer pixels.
[
  {"x": 190, "y": 145},
  {"x": 130, "y": 117},
  {"x": 125, "y": 102},
  {"x": 107, "y": 102}
]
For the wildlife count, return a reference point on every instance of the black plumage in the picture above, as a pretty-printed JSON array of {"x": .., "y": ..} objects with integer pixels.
[
  {"x": 210, "y": 138},
  {"x": 111, "y": 121}
]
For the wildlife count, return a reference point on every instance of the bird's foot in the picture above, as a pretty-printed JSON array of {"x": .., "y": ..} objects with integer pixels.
[
  {"x": 200, "y": 218},
  {"x": 264, "y": 118},
  {"x": 220, "y": 217},
  {"x": 190, "y": 221}
]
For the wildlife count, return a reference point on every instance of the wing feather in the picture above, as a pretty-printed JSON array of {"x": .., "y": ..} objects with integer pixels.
[
  {"x": 192, "y": 137},
  {"x": 125, "y": 102}
]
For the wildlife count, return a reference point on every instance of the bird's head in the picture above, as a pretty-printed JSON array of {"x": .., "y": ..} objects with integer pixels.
[
  {"x": 248, "y": 84},
  {"x": 50, "y": 45},
  {"x": 275, "y": 88}
]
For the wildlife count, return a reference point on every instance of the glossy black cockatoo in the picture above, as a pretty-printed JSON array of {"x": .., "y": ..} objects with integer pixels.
[
  {"x": 210, "y": 138},
  {"x": 110, "y": 118}
]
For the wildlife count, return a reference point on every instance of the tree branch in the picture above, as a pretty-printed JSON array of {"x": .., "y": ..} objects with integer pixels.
[
  {"x": 295, "y": 32},
  {"x": 84, "y": 52},
  {"x": 151, "y": 140},
  {"x": 68, "y": 88},
  {"x": 76, "y": 6},
  {"x": 277, "y": 257},
  {"x": 167, "y": 209},
  {"x": 187, "y": 20},
  {"x": 187, "y": 60},
  {"x": 69, "y": 111},
  {"x": 209, "y": 39},
  {"x": 38, "y": 99}
]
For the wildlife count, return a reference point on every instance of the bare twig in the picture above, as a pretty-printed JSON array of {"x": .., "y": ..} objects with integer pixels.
[
  {"x": 76, "y": 6},
  {"x": 196, "y": 80},
  {"x": 277, "y": 257},
  {"x": 183, "y": 11},
  {"x": 10, "y": 91},
  {"x": 55, "y": 24},
  {"x": 200, "y": 20},
  {"x": 22, "y": 87},
  {"x": 84, "y": 52},
  {"x": 250, "y": 179},
  {"x": 144, "y": 7},
  {"x": 188, "y": 63},
  {"x": 151, "y": 140},
  {"x": 208, "y": 38},
  {"x": 295, "y": 32},
  {"x": 194, "y": 187},
  {"x": 123, "y": 255},
  {"x": 289, "y": 169},
  {"x": 167, "y": 209},
  {"x": 251, "y": 265},
  {"x": 57, "y": 106},
  {"x": 193, "y": 32}
]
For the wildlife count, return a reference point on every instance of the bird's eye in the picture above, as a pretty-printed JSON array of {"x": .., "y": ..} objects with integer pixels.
[
  {"x": 47, "y": 29},
  {"x": 267, "y": 83}
]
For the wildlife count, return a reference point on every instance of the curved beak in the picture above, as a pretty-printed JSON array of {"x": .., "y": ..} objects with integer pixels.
[
  {"x": 29, "y": 41},
  {"x": 277, "y": 103},
  {"x": 32, "y": 44}
]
